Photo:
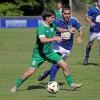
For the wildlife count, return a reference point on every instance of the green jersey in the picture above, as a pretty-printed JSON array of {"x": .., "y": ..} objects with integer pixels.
[
  {"x": 44, "y": 30},
  {"x": 58, "y": 13},
  {"x": 43, "y": 51}
]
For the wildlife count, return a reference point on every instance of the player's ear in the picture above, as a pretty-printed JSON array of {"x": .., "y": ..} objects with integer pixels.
[{"x": 47, "y": 18}]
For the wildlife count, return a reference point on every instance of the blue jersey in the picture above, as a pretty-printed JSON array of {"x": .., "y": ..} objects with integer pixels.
[
  {"x": 94, "y": 13},
  {"x": 66, "y": 43}
]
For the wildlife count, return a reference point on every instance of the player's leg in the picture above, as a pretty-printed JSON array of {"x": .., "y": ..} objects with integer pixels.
[
  {"x": 88, "y": 48},
  {"x": 47, "y": 72},
  {"x": 68, "y": 76},
  {"x": 54, "y": 57},
  {"x": 44, "y": 75},
  {"x": 54, "y": 68},
  {"x": 53, "y": 71},
  {"x": 36, "y": 62},
  {"x": 99, "y": 43},
  {"x": 30, "y": 71},
  {"x": 99, "y": 47}
]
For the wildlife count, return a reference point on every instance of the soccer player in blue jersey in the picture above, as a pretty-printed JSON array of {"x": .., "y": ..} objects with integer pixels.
[
  {"x": 93, "y": 19},
  {"x": 43, "y": 52},
  {"x": 64, "y": 47}
]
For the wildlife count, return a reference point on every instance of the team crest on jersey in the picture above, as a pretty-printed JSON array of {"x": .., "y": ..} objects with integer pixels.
[
  {"x": 33, "y": 62},
  {"x": 98, "y": 18}
]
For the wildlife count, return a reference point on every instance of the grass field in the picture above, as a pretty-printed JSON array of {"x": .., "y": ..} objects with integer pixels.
[{"x": 15, "y": 54}]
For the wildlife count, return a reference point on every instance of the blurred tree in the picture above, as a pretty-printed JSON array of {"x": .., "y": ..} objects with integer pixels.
[{"x": 32, "y": 7}]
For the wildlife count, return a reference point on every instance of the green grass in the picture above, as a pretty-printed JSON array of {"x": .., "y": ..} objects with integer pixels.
[{"x": 15, "y": 55}]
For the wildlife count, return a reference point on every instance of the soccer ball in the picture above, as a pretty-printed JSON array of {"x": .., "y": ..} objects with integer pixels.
[{"x": 52, "y": 87}]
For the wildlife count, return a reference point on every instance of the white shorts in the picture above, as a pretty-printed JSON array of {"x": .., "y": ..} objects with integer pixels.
[
  {"x": 94, "y": 36},
  {"x": 64, "y": 53}
]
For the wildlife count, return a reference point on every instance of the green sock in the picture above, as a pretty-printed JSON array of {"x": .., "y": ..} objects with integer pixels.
[
  {"x": 19, "y": 82},
  {"x": 69, "y": 79}
]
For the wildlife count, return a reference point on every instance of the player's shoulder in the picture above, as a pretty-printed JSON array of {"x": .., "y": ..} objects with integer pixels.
[
  {"x": 92, "y": 8},
  {"x": 40, "y": 25},
  {"x": 57, "y": 20},
  {"x": 73, "y": 18}
]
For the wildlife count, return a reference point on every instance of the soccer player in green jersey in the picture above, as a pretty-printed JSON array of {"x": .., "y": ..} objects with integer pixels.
[
  {"x": 58, "y": 11},
  {"x": 43, "y": 51}
]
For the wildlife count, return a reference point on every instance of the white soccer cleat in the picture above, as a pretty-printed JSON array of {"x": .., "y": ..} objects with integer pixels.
[
  {"x": 13, "y": 89},
  {"x": 74, "y": 86}
]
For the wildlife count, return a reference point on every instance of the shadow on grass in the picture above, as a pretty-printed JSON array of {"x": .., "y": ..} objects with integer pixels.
[
  {"x": 31, "y": 87},
  {"x": 45, "y": 83},
  {"x": 69, "y": 90},
  {"x": 89, "y": 64},
  {"x": 51, "y": 96},
  {"x": 41, "y": 85},
  {"x": 36, "y": 87}
]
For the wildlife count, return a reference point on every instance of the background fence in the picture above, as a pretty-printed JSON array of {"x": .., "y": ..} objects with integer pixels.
[{"x": 19, "y": 22}]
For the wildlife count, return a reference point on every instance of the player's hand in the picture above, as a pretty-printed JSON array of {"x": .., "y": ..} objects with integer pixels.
[
  {"x": 79, "y": 40},
  {"x": 57, "y": 38},
  {"x": 71, "y": 29},
  {"x": 92, "y": 24}
]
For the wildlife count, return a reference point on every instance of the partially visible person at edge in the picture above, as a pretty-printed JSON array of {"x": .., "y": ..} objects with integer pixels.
[
  {"x": 43, "y": 52},
  {"x": 58, "y": 10},
  {"x": 64, "y": 47},
  {"x": 93, "y": 19}
]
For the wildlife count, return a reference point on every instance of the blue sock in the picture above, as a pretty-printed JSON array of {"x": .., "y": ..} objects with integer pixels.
[
  {"x": 53, "y": 71},
  {"x": 87, "y": 51}
]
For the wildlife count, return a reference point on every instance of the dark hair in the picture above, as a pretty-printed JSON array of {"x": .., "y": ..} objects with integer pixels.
[
  {"x": 47, "y": 13},
  {"x": 96, "y": 0},
  {"x": 59, "y": 1},
  {"x": 65, "y": 7}
]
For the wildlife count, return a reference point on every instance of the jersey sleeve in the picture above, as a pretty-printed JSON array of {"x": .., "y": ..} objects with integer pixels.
[
  {"x": 89, "y": 12},
  {"x": 40, "y": 31},
  {"x": 54, "y": 26},
  {"x": 76, "y": 24},
  {"x": 55, "y": 22}
]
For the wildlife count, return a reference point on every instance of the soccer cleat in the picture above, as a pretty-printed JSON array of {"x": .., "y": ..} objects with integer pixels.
[
  {"x": 13, "y": 89},
  {"x": 74, "y": 86},
  {"x": 85, "y": 62},
  {"x": 43, "y": 75}
]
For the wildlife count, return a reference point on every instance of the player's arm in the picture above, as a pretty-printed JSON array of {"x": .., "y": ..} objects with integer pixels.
[
  {"x": 45, "y": 39},
  {"x": 61, "y": 29},
  {"x": 89, "y": 21},
  {"x": 88, "y": 17},
  {"x": 71, "y": 29},
  {"x": 80, "y": 36},
  {"x": 77, "y": 25}
]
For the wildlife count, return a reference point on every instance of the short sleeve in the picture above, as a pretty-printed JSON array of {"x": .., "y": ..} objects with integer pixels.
[{"x": 40, "y": 31}]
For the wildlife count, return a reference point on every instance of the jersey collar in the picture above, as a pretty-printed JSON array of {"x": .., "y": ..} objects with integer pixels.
[
  {"x": 97, "y": 8},
  {"x": 64, "y": 21},
  {"x": 45, "y": 24}
]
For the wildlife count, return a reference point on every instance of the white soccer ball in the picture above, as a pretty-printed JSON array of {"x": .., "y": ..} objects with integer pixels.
[{"x": 52, "y": 87}]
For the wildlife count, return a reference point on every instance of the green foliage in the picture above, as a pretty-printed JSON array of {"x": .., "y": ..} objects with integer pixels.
[
  {"x": 49, "y": 4},
  {"x": 21, "y": 7},
  {"x": 9, "y": 9},
  {"x": 30, "y": 7},
  {"x": 88, "y": 1},
  {"x": 32, "y": 3}
]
